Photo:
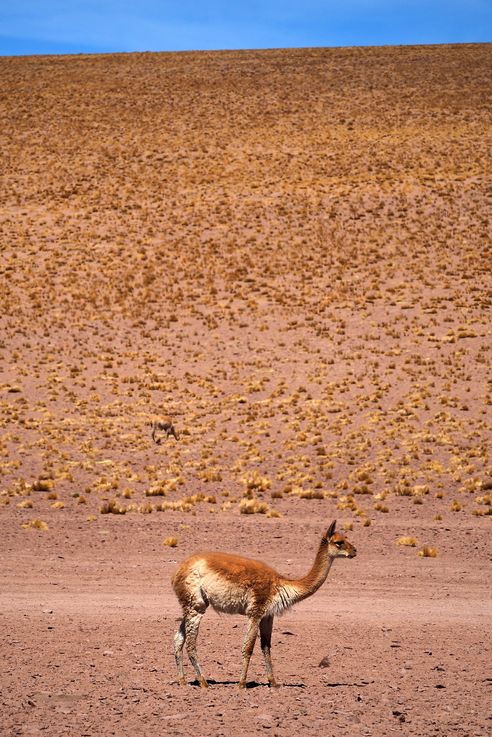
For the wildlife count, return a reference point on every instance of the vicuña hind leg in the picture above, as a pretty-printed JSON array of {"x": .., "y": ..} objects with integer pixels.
[
  {"x": 192, "y": 623},
  {"x": 266, "y": 626}
]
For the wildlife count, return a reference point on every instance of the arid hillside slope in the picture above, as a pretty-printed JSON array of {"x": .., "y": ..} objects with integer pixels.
[{"x": 288, "y": 252}]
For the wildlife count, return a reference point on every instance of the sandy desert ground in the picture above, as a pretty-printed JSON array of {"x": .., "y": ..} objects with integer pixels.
[{"x": 289, "y": 253}]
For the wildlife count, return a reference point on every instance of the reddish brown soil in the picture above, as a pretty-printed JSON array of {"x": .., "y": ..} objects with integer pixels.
[{"x": 289, "y": 252}]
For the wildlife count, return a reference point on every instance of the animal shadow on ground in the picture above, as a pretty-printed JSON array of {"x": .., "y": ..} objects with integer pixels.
[{"x": 249, "y": 684}]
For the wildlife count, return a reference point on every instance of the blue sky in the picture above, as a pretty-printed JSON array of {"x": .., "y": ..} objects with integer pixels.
[{"x": 96, "y": 26}]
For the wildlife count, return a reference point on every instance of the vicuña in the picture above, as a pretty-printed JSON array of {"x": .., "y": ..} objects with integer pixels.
[
  {"x": 165, "y": 425},
  {"x": 235, "y": 585}
]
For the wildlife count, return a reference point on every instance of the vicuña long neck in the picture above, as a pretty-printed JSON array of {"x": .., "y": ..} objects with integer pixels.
[{"x": 293, "y": 590}]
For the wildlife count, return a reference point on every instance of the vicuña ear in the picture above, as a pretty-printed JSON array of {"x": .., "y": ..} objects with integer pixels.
[{"x": 331, "y": 529}]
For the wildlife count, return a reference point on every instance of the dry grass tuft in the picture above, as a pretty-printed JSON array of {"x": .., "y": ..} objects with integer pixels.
[
  {"x": 381, "y": 508},
  {"x": 254, "y": 482},
  {"x": 112, "y": 507},
  {"x": 427, "y": 552},
  {"x": 477, "y": 512},
  {"x": 43, "y": 485},
  {"x": 403, "y": 490},
  {"x": 408, "y": 541},
  {"x": 254, "y": 506},
  {"x": 210, "y": 474},
  {"x": 162, "y": 488},
  {"x": 307, "y": 493},
  {"x": 171, "y": 542},
  {"x": 36, "y": 524},
  {"x": 485, "y": 499},
  {"x": 347, "y": 502}
]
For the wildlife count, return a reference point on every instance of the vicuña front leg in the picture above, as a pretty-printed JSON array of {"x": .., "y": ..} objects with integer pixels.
[
  {"x": 178, "y": 642},
  {"x": 266, "y": 626},
  {"x": 192, "y": 623},
  {"x": 248, "y": 647}
]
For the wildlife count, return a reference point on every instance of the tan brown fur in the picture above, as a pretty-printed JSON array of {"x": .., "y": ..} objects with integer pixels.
[
  {"x": 235, "y": 585},
  {"x": 162, "y": 424}
]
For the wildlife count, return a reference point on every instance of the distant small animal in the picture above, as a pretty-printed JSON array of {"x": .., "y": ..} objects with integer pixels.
[{"x": 164, "y": 425}]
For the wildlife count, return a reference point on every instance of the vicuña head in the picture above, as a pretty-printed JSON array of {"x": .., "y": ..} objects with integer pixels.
[{"x": 235, "y": 585}]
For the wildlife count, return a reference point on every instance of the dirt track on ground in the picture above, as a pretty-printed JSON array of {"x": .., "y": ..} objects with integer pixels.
[{"x": 288, "y": 252}]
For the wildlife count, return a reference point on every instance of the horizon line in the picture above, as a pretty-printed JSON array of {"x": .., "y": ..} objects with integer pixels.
[{"x": 246, "y": 49}]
